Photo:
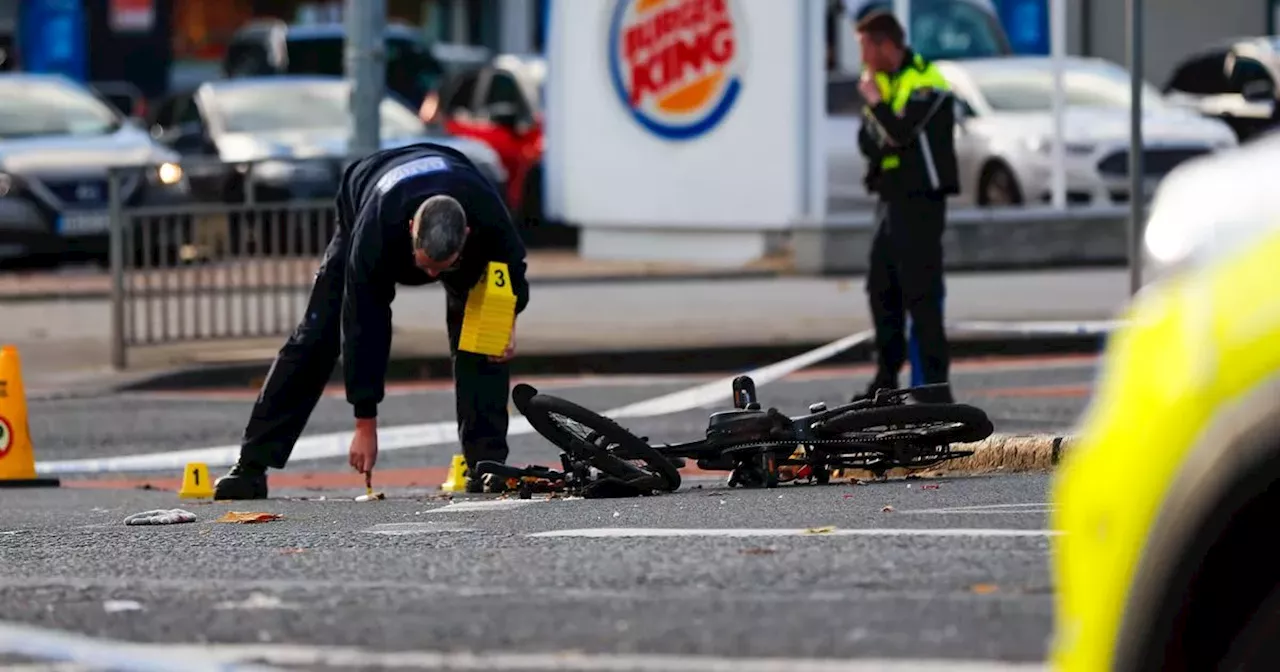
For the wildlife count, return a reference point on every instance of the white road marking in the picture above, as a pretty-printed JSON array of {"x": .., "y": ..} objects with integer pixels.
[
  {"x": 408, "y": 529},
  {"x": 118, "y": 655},
  {"x": 336, "y": 444},
  {"x": 103, "y": 654},
  {"x": 989, "y": 509},
  {"x": 627, "y": 532},
  {"x": 486, "y": 505}
]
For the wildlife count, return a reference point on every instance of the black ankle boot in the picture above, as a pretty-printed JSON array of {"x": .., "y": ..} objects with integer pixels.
[{"x": 243, "y": 481}]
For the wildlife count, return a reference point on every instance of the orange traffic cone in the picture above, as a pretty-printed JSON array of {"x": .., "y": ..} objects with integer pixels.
[{"x": 17, "y": 456}]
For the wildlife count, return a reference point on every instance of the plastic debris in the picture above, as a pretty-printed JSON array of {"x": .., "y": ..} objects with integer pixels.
[
  {"x": 248, "y": 517},
  {"x": 371, "y": 497},
  {"x": 161, "y": 517}
]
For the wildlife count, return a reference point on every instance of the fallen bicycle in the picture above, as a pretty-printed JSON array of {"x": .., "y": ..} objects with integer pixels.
[{"x": 755, "y": 446}]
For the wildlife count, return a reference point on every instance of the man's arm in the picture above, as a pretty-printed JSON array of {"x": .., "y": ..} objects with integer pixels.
[
  {"x": 902, "y": 131},
  {"x": 366, "y": 318}
]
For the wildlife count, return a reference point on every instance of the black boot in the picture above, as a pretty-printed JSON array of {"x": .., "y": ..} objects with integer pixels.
[
  {"x": 243, "y": 481},
  {"x": 940, "y": 395}
]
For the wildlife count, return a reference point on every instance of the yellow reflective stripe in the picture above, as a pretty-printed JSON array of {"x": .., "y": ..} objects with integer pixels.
[{"x": 889, "y": 162}]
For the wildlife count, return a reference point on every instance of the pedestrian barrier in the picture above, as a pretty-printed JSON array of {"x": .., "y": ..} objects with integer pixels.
[{"x": 207, "y": 271}]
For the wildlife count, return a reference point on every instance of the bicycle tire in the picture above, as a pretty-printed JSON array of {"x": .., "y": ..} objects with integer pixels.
[
  {"x": 539, "y": 410},
  {"x": 505, "y": 470},
  {"x": 973, "y": 421}
]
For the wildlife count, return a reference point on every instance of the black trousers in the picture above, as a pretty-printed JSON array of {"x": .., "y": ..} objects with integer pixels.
[
  {"x": 304, "y": 364},
  {"x": 906, "y": 278}
]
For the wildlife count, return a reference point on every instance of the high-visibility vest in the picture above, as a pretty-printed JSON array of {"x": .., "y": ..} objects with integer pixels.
[{"x": 896, "y": 91}]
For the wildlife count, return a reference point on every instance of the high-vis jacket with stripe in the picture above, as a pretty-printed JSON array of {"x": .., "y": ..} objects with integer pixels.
[{"x": 909, "y": 137}]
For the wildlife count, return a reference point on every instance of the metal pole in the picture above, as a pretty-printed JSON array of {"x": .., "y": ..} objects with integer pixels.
[
  {"x": 366, "y": 72},
  {"x": 1137, "y": 194},
  {"x": 1058, "y": 46},
  {"x": 116, "y": 239}
]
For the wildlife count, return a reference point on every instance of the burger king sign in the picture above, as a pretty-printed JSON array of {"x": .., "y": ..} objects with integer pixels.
[{"x": 677, "y": 65}]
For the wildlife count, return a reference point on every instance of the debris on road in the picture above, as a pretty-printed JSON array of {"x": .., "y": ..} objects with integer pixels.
[
  {"x": 248, "y": 517},
  {"x": 161, "y": 517},
  {"x": 371, "y": 497},
  {"x": 820, "y": 530},
  {"x": 985, "y": 588},
  {"x": 887, "y": 509},
  {"x": 116, "y": 606},
  {"x": 255, "y": 601}
]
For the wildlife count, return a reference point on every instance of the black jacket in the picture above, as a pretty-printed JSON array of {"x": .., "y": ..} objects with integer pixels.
[
  {"x": 923, "y": 137},
  {"x": 375, "y": 203}
]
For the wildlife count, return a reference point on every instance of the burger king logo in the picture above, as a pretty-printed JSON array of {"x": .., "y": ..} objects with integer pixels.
[{"x": 677, "y": 65}]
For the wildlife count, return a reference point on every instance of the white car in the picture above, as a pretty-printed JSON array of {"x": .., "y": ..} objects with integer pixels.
[{"x": 1004, "y": 133}]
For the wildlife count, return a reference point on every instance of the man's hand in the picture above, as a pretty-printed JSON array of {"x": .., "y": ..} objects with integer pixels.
[
  {"x": 510, "y": 352},
  {"x": 364, "y": 446},
  {"x": 869, "y": 89}
]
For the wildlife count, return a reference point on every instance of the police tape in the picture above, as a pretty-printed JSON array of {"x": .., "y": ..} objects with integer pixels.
[{"x": 403, "y": 437}]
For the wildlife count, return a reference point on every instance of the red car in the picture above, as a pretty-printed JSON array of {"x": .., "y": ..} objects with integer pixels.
[{"x": 501, "y": 104}]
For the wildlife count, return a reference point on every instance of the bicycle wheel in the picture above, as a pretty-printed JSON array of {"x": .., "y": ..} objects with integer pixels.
[
  {"x": 600, "y": 441},
  {"x": 940, "y": 423}
]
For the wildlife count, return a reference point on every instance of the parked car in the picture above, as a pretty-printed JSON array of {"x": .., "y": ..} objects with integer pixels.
[
  {"x": 1165, "y": 499},
  {"x": 501, "y": 105},
  {"x": 940, "y": 29},
  {"x": 1233, "y": 80},
  {"x": 273, "y": 47},
  {"x": 287, "y": 135},
  {"x": 1004, "y": 134},
  {"x": 58, "y": 140}
]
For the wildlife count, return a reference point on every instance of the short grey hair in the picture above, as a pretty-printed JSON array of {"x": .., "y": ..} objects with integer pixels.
[{"x": 440, "y": 224}]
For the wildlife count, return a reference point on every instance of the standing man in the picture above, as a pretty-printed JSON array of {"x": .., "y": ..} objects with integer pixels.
[
  {"x": 907, "y": 137},
  {"x": 407, "y": 216}
]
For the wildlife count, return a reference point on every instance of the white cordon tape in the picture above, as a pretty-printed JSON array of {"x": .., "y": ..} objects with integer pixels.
[{"x": 336, "y": 444}]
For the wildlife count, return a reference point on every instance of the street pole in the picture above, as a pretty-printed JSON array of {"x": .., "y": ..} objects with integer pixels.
[
  {"x": 1058, "y": 47},
  {"x": 1137, "y": 194},
  {"x": 366, "y": 73}
]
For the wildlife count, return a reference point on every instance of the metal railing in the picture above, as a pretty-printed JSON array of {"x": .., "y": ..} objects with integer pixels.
[{"x": 211, "y": 271}]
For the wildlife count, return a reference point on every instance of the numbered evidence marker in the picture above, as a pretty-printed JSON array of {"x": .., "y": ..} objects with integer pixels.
[
  {"x": 490, "y": 313},
  {"x": 195, "y": 482}
]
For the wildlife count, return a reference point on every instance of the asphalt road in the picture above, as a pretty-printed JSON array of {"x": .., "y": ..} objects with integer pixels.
[{"x": 799, "y": 578}]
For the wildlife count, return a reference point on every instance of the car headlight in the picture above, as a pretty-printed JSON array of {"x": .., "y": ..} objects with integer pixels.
[{"x": 169, "y": 173}]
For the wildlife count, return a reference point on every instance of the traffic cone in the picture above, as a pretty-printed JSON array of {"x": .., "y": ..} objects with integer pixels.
[
  {"x": 195, "y": 482},
  {"x": 17, "y": 455},
  {"x": 457, "y": 479}
]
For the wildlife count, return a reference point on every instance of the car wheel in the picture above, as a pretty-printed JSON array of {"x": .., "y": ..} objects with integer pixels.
[
  {"x": 998, "y": 186},
  {"x": 1256, "y": 646}
]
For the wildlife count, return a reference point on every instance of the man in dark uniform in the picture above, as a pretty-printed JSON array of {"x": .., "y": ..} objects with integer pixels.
[
  {"x": 407, "y": 216},
  {"x": 907, "y": 137}
]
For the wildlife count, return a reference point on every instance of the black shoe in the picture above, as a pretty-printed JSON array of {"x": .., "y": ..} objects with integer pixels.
[
  {"x": 474, "y": 485},
  {"x": 934, "y": 396},
  {"x": 872, "y": 388},
  {"x": 242, "y": 482}
]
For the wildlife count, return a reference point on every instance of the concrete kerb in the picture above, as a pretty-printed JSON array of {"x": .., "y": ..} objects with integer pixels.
[{"x": 997, "y": 454}]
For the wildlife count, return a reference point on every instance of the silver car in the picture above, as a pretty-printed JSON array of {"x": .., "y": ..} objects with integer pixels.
[
  {"x": 57, "y": 142},
  {"x": 1005, "y": 134}
]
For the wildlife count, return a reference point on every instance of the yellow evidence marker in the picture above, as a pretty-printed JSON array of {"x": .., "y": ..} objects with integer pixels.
[
  {"x": 490, "y": 313},
  {"x": 457, "y": 479},
  {"x": 195, "y": 482}
]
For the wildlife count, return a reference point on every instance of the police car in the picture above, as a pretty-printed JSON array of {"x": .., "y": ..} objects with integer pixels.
[{"x": 1166, "y": 503}]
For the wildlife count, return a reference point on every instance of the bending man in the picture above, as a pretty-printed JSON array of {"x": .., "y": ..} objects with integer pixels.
[{"x": 406, "y": 216}]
